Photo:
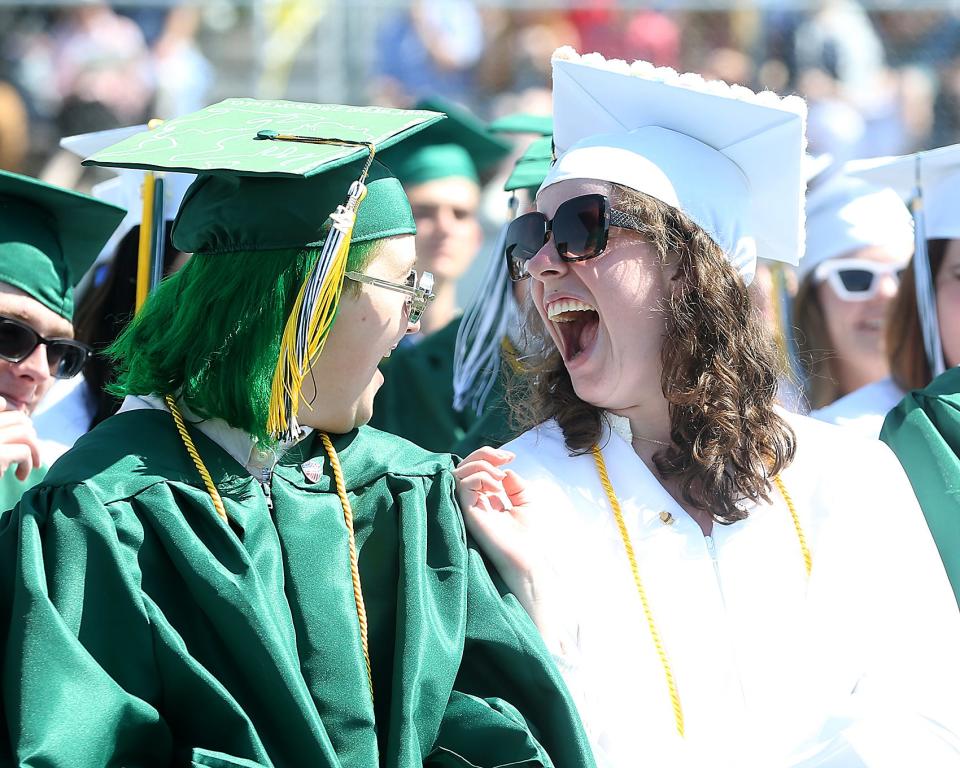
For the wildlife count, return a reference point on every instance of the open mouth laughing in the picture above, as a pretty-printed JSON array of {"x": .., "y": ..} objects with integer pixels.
[{"x": 575, "y": 324}]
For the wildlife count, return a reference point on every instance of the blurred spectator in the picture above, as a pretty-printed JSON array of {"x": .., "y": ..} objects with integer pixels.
[
  {"x": 14, "y": 129},
  {"x": 840, "y": 40},
  {"x": 429, "y": 50},
  {"x": 184, "y": 75},
  {"x": 654, "y": 37},
  {"x": 102, "y": 68}
]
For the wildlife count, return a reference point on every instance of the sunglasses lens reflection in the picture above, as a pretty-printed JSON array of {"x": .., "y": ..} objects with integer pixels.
[
  {"x": 856, "y": 280},
  {"x": 578, "y": 227},
  {"x": 16, "y": 341},
  {"x": 525, "y": 236}
]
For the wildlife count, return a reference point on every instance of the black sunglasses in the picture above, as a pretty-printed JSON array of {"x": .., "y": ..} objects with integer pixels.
[
  {"x": 18, "y": 340},
  {"x": 580, "y": 228}
]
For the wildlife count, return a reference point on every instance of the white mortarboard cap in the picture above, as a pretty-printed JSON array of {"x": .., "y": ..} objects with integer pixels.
[
  {"x": 847, "y": 214},
  {"x": 939, "y": 178},
  {"x": 126, "y": 190},
  {"x": 930, "y": 181},
  {"x": 729, "y": 158}
]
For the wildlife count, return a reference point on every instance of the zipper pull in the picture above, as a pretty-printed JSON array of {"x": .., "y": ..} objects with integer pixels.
[{"x": 265, "y": 486}]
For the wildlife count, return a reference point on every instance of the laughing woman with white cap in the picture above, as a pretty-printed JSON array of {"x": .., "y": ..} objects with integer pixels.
[{"x": 722, "y": 583}]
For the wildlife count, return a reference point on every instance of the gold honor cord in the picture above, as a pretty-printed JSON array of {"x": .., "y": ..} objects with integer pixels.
[
  {"x": 344, "y": 502},
  {"x": 634, "y": 568},
  {"x": 354, "y": 562},
  {"x": 197, "y": 461}
]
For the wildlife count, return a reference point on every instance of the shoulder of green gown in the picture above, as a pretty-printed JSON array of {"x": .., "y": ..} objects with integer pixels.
[
  {"x": 132, "y": 451},
  {"x": 381, "y": 453}
]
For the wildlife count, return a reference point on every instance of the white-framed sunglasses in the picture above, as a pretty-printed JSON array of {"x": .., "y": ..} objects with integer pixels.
[
  {"x": 856, "y": 279},
  {"x": 418, "y": 288}
]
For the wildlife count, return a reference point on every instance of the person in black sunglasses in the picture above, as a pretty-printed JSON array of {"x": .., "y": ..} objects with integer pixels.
[
  {"x": 723, "y": 583},
  {"x": 48, "y": 238}
]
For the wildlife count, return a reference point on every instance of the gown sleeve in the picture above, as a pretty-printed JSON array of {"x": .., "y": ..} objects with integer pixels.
[
  {"x": 924, "y": 432},
  {"x": 510, "y": 705},
  {"x": 78, "y": 680},
  {"x": 905, "y": 707}
]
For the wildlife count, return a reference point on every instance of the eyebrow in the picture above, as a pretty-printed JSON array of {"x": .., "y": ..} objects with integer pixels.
[{"x": 60, "y": 332}]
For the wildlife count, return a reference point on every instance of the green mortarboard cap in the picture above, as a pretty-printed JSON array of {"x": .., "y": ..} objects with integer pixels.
[
  {"x": 271, "y": 174},
  {"x": 263, "y": 184},
  {"x": 460, "y": 146},
  {"x": 532, "y": 167},
  {"x": 522, "y": 122},
  {"x": 49, "y": 236}
]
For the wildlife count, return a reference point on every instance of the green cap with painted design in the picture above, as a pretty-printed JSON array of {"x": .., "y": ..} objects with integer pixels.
[
  {"x": 49, "y": 237},
  {"x": 283, "y": 176},
  {"x": 271, "y": 172}
]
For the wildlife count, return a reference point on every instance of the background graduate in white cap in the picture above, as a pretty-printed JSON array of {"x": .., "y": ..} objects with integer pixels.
[
  {"x": 924, "y": 334},
  {"x": 722, "y": 583},
  {"x": 859, "y": 240}
]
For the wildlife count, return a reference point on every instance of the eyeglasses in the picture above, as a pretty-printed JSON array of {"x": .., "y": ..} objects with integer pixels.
[
  {"x": 18, "y": 340},
  {"x": 419, "y": 289},
  {"x": 580, "y": 228},
  {"x": 856, "y": 279}
]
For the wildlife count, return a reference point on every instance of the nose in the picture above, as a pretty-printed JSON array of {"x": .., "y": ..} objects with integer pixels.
[
  {"x": 546, "y": 263},
  {"x": 35, "y": 366}
]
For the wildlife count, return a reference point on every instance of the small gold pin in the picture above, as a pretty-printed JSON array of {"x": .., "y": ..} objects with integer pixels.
[{"x": 666, "y": 518}]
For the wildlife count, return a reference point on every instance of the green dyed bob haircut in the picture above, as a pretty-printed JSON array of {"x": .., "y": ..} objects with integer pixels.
[{"x": 210, "y": 334}]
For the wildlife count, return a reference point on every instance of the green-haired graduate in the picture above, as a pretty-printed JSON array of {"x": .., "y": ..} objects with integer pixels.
[{"x": 234, "y": 570}]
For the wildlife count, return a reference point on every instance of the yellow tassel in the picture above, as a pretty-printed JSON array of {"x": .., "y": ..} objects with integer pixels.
[
  {"x": 298, "y": 351},
  {"x": 290, "y": 372},
  {"x": 297, "y": 354}
]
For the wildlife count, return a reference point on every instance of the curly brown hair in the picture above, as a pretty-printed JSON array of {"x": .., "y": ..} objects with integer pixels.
[{"x": 720, "y": 374}]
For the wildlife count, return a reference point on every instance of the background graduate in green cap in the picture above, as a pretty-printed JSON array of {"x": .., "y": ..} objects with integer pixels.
[
  {"x": 48, "y": 238},
  {"x": 233, "y": 570},
  {"x": 441, "y": 170},
  {"x": 419, "y": 400}
]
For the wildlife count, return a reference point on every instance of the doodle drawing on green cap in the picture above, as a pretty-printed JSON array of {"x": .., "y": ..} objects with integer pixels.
[
  {"x": 49, "y": 237},
  {"x": 282, "y": 177}
]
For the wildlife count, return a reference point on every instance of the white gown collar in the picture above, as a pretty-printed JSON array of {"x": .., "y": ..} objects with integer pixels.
[{"x": 258, "y": 459}]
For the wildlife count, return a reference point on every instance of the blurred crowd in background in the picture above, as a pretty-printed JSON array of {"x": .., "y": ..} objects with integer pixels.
[{"x": 878, "y": 81}]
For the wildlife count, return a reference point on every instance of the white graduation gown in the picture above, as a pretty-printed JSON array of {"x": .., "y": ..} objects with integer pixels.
[
  {"x": 857, "y": 665},
  {"x": 863, "y": 409}
]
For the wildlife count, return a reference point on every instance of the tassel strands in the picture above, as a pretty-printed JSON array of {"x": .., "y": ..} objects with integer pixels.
[{"x": 315, "y": 308}]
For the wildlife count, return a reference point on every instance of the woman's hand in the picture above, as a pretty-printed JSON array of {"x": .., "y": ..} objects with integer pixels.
[{"x": 495, "y": 508}]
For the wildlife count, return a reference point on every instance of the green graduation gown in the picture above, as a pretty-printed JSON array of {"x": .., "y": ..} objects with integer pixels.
[
  {"x": 924, "y": 432},
  {"x": 12, "y": 488},
  {"x": 140, "y": 630},
  {"x": 416, "y": 399}
]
